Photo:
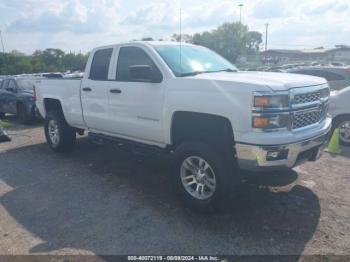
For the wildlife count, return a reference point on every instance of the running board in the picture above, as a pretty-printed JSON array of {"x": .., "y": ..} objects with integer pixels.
[{"x": 137, "y": 148}]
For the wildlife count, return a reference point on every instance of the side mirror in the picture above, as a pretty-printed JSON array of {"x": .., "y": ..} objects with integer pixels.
[
  {"x": 143, "y": 73},
  {"x": 10, "y": 89}
]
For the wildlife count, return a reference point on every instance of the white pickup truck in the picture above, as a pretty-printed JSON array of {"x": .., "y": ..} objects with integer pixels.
[{"x": 190, "y": 102}]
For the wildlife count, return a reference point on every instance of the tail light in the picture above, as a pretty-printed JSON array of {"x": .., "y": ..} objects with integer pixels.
[
  {"x": 34, "y": 93},
  {"x": 348, "y": 69}
]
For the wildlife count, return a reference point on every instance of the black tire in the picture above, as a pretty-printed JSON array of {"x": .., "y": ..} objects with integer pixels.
[
  {"x": 2, "y": 115},
  {"x": 337, "y": 122},
  {"x": 224, "y": 174},
  {"x": 24, "y": 117},
  {"x": 66, "y": 134}
]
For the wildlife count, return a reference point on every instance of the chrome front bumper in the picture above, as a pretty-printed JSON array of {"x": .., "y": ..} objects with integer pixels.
[{"x": 255, "y": 157}]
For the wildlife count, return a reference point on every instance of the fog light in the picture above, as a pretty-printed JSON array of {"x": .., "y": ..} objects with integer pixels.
[{"x": 277, "y": 155}]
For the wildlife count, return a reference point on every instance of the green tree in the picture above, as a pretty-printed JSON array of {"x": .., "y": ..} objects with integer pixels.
[
  {"x": 231, "y": 40},
  {"x": 48, "y": 60},
  {"x": 183, "y": 37},
  {"x": 147, "y": 39}
]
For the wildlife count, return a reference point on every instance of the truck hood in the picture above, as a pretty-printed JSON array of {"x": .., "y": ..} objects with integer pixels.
[{"x": 275, "y": 81}]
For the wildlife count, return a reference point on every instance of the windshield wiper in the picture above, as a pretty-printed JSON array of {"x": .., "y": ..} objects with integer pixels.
[
  {"x": 226, "y": 70},
  {"x": 194, "y": 73},
  {"x": 206, "y": 72}
]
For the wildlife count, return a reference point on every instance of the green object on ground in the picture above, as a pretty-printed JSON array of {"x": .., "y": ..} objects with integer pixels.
[{"x": 6, "y": 124}]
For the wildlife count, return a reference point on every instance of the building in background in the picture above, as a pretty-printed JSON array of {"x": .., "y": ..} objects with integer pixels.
[{"x": 340, "y": 53}]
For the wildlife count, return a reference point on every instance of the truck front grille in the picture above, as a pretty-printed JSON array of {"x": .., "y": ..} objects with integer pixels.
[
  {"x": 307, "y": 98},
  {"x": 311, "y": 96},
  {"x": 307, "y": 118}
]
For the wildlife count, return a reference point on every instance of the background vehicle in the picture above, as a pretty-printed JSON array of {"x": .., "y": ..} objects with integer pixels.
[
  {"x": 17, "y": 97},
  {"x": 340, "y": 111},
  {"x": 337, "y": 77},
  {"x": 194, "y": 104}
]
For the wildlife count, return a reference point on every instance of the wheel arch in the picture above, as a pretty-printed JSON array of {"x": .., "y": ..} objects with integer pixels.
[
  {"x": 53, "y": 104},
  {"x": 339, "y": 116},
  {"x": 199, "y": 126}
]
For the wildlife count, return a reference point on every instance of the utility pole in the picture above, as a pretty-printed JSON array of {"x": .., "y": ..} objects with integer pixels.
[
  {"x": 3, "y": 52},
  {"x": 2, "y": 42},
  {"x": 240, "y": 13},
  {"x": 267, "y": 30}
]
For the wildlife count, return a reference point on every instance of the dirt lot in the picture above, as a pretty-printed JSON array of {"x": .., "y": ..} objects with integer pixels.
[{"x": 103, "y": 200}]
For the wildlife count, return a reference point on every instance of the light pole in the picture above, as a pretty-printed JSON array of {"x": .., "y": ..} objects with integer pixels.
[
  {"x": 240, "y": 13},
  {"x": 267, "y": 30},
  {"x": 2, "y": 42}
]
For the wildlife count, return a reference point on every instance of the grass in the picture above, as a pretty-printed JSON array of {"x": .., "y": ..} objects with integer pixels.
[{"x": 6, "y": 124}]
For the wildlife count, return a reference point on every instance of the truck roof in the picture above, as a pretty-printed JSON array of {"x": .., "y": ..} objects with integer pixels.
[{"x": 147, "y": 43}]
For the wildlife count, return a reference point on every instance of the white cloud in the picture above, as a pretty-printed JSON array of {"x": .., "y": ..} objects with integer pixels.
[{"x": 82, "y": 24}]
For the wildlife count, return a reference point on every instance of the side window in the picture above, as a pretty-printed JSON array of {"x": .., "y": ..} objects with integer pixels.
[
  {"x": 100, "y": 64},
  {"x": 133, "y": 56},
  {"x": 12, "y": 84},
  {"x": 5, "y": 84}
]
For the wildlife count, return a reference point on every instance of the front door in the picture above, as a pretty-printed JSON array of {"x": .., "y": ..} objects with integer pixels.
[{"x": 136, "y": 107}]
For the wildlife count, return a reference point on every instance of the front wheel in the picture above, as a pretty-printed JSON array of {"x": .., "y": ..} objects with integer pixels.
[
  {"x": 203, "y": 177},
  {"x": 59, "y": 135},
  {"x": 343, "y": 123}
]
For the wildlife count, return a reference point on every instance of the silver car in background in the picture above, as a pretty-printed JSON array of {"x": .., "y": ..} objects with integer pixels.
[
  {"x": 339, "y": 108},
  {"x": 337, "y": 77}
]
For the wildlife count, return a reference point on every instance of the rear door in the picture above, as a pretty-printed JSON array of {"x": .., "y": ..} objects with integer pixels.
[
  {"x": 136, "y": 107},
  {"x": 95, "y": 89}
]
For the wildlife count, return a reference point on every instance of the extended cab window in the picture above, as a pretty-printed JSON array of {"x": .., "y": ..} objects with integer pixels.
[
  {"x": 100, "y": 64},
  {"x": 133, "y": 56}
]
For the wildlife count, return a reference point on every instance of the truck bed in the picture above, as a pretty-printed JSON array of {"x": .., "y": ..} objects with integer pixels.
[{"x": 67, "y": 91}]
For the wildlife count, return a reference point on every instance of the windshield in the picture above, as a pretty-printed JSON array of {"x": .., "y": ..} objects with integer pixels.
[
  {"x": 193, "y": 60},
  {"x": 26, "y": 85}
]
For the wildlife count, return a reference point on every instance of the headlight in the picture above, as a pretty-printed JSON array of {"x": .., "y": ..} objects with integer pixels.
[
  {"x": 325, "y": 92},
  {"x": 271, "y": 101},
  {"x": 271, "y": 122}
]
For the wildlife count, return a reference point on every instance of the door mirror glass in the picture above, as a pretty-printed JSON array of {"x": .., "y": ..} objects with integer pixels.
[
  {"x": 142, "y": 73},
  {"x": 135, "y": 65},
  {"x": 10, "y": 89}
]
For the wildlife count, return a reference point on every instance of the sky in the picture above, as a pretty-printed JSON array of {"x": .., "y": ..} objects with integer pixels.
[{"x": 80, "y": 25}]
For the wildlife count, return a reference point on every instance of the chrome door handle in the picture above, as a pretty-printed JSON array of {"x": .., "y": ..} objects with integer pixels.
[{"x": 115, "y": 91}]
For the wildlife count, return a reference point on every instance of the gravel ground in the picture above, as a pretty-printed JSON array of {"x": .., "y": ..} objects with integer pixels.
[{"x": 104, "y": 200}]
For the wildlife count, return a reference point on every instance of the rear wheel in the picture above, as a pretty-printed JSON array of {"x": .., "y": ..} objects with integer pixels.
[
  {"x": 59, "y": 135},
  {"x": 23, "y": 115},
  {"x": 343, "y": 123},
  {"x": 203, "y": 177}
]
